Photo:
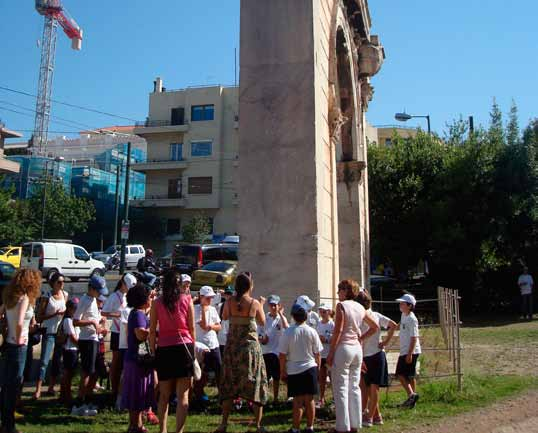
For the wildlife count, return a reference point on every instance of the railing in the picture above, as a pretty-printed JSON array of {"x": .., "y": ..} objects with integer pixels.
[
  {"x": 156, "y": 123},
  {"x": 161, "y": 197},
  {"x": 412, "y": 128},
  {"x": 149, "y": 161}
]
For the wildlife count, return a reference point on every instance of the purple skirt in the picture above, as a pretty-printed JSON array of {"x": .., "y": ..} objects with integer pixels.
[{"x": 138, "y": 387}]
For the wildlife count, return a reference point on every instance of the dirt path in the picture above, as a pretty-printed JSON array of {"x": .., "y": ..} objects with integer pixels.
[{"x": 513, "y": 415}]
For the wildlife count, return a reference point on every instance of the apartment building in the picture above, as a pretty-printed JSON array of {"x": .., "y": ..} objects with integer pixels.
[
  {"x": 383, "y": 134},
  {"x": 7, "y": 166},
  {"x": 192, "y": 161}
]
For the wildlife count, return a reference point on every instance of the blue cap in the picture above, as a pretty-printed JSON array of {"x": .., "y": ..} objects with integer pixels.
[
  {"x": 273, "y": 299},
  {"x": 298, "y": 309},
  {"x": 99, "y": 283},
  {"x": 229, "y": 290}
]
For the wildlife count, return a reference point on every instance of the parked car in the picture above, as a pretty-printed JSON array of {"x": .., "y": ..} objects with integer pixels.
[
  {"x": 7, "y": 270},
  {"x": 191, "y": 257},
  {"x": 165, "y": 262},
  {"x": 133, "y": 253},
  {"x": 11, "y": 255},
  {"x": 218, "y": 275},
  {"x": 233, "y": 239},
  {"x": 71, "y": 260}
]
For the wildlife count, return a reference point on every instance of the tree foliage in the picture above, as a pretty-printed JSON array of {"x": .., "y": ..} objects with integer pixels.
[
  {"x": 197, "y": 230},
  {"x": 468, "y": 204},
  {"x": 13, "y": 213}
]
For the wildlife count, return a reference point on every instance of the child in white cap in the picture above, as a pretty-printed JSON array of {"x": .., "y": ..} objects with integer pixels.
[
  {"x": 275, "y": 323},
  {"x": 308, "y": 304},
  {"x": 207, "y": 322},
  {"x": 409, "y": 349},
  {"x": 325, "y": 331}
]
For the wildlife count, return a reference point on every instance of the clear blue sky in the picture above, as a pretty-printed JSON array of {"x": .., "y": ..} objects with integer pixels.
[{"x": 444, "y": 58}]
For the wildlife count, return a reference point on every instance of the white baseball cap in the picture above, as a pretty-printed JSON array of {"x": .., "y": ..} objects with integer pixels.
[
  {"x": 305, "y": 302},
  {"x": 324, "y": 306},
  {"x": 408, "y": 299},
  {"x": 129, "y": 280},
  {"x": 185, "y": 278},
  {"x": 207, "y": 291}
]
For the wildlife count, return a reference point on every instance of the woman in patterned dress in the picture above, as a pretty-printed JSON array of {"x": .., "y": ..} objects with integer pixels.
[{"x": 243, "y": 374}]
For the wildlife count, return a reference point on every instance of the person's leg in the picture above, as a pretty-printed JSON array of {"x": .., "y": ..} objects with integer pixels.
[
  {"x": 322, "y": 382},
  {"x": 276, "y": 389},
  {"x": 166, "y": 388},
  {"x": 14, "y": 358},
  {"x": 310, "y": 410},
  {"x": 182, "y": 392},
  {"x": 406, "y": 385},
  {"x": 298, "y": 403},
  {"x": 226, "y": 409},
  {"x": 364, "y": 393},
  {"x": 340, "y": 384},
  {"x": 47, "y": 347},
  {"x": 115, "y": 372},
  {"x": 55, "y": 367},
  {"x": 354, "y": 396},
  {"x": 373, "y": 401},
  {"x": 151, "y": 278},
  {"x": 258, "y": 415}
]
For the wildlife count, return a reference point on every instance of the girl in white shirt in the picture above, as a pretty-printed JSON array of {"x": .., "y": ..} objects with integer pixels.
[
  {"x": 70, "y": 351},
  {"x": 325, "y": 331}
]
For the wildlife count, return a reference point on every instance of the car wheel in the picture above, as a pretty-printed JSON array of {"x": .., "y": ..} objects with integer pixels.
[
  {"x": 97, "y": 272},
  {"x": 74, "y": 279},
  {"x": 51, "y": 273}
]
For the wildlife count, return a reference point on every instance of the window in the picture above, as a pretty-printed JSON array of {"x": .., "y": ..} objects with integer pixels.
[
  {"x": 173, "y": 226},
  {"x": 134, "y": 250},
  {"x": 202, "y": 112},
  {"x": 230, "y": 253},
  {"x": 177, "y": 116},
  {"x": 81, "y": 254},
  {"x": 37, "y": 251},
  {"x": 175, "y": 188},
  {"x": 14, "y": 252},
  {"x": 176, "y": 151},
  {"x": 388, "y": 142},
  {"x": 212, "y": 253},
  {"x": 201, "y": 148},
  {"x": 200, "y": 185}
]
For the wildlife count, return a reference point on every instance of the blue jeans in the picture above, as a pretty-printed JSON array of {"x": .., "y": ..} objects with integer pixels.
[
  {"x": 150, "y": 278},
  {"x": 48, "y": 349},
  {"x": 11, "y": 370},
  {"x": 526, "y": 305}
]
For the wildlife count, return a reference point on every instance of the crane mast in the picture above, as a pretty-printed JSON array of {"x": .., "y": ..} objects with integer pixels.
[{"x": 54, "y": 14}]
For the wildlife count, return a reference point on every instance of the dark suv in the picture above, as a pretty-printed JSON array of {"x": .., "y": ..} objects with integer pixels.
[{"x": 188, "y": 258}]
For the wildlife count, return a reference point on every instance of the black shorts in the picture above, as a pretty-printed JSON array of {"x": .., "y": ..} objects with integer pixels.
[
  {"x": 122, "y": 353},
  {"x": 114, "y": 341},
  {"x": 70, "y": 359},
  {"x": 406, "y": 370},
  {"x": 377, "y": 371},
  {"x": 272, "y": 366},
  {"x": 174, "y": 362},
  {"x": 88, "y": 354},
  {"x": 212, "y": 361},
  {"x": 305, "y": 383}
]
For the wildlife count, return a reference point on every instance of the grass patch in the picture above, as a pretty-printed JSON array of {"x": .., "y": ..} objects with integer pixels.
[
  {"x": 513, "y": 334},
  {"x": 438, "y": 400}
]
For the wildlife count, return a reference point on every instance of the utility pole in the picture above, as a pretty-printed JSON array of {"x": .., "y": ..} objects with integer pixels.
[
  {"x": 125, "y": 232},
  {"x": 117, "y": 205}
]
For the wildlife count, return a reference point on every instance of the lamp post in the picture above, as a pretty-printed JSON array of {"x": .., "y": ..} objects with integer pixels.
[{"x": 404, "y": 117}]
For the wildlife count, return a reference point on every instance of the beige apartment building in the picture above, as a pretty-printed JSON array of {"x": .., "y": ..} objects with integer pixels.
[
  {"x": 6, "y": 166},
  {"x": 192, "y": 161},
  {"x": 384, "y": 134}
]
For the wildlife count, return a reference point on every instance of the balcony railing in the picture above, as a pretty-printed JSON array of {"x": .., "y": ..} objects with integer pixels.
[
  {"x": 161, "y": 197},
  {"x": 157, "y": 123}
]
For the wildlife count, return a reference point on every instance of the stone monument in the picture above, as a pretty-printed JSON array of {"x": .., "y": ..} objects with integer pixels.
[{"x": 304, "y": 90}]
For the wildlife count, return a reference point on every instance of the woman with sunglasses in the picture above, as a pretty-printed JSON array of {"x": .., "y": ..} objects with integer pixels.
[{"x": 53, "y": 316}]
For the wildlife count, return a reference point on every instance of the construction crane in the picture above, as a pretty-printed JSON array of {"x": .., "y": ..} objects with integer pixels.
[{"x": 54, "y": 14}]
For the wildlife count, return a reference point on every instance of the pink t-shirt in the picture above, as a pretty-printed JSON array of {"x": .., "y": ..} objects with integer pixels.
[
  {"x": 353, "y": 316},
  {"x": 173, "y": 325}
]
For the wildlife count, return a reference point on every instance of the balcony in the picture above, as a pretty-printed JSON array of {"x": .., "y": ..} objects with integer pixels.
[
  {"x": 148, "y": 126},
  {"x": 164, "y": 164},
  {"x": 155, "y": 201}
]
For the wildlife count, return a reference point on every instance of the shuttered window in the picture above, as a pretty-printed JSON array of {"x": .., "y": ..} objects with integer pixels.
[{"x": 200, "y": 185}]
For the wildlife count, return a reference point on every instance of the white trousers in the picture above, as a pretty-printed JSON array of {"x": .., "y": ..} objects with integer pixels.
[{"x": 345, "y": 378}]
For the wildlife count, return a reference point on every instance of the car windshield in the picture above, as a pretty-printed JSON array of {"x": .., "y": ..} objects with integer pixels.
[
  {"x": 218, "y": 267},
  {"x": 2, "y": 252},
  {"x": 186, "y": 254},
  {"x": 110, "y": 250},
  {"x": 7, "y": 270}
]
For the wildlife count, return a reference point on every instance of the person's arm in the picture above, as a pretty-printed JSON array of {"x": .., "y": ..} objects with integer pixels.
[
  {"x": 71, "y": 331},
  {"x": 285, "y": 324},
  {"x": 373, "y": 327},
  {"x": 283, "y": 372},
  {"x": 260, "y": 315},
  {"x": 21, "y": 312},
  {"x": 141, "y": 332},
  {"x": 226, "y": 311},
  {"x": 215, "y": 325},
  {"x": 190, "y": 321},
  {"x": 338, "y": 327},
  {"x": 392, "y": 325},
  {"x": 153, "y": 328},
  {"x": 77, "y": 317},
  {"x": 318, "y": 359},
  {"x": 412, "y": 345}
]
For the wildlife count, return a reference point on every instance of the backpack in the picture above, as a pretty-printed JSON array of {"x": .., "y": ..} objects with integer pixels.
[
  {"x": 61, "y": 336},
  {"x": 41, "y": 308}
]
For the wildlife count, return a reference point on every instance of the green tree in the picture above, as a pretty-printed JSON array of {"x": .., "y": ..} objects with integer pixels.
[
  {"x": 197, "y": 230},
  {"x": 512, "y": 128},
  {"x": 14, "y": 215},
  {"x": 65, "y": 214},
  {"x": 496, "y": 129}
]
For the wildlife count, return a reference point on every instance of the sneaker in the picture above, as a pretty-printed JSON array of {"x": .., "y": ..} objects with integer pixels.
[
  {"x": 308, "y": 430},
  {"x": 292, "y": 430},
  {"x": 367, "y": 422},
  {"x": 406, "y": 403},
  {"x": 152, "y": 418},
  {"x": 77, "y": 411},
  {"x": 378, "y": 421},
  {"x": 413, "y": 400}
]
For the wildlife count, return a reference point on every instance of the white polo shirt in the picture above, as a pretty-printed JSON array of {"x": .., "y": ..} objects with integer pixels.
[
  {"x": 300, "y": 344},
  {"x": 408, "y": 329},
  {"x": 525, "y": 283},
  {"x": 326, "y": 330},
  {"x": 209, "y": 338},
  {"x": 273, "y": 330},
  {"x": 371, "y": 345},
  {"x": 87, "y": 310}
]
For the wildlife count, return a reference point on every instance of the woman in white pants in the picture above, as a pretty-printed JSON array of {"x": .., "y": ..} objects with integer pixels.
[{"x": 345, "y": 356}]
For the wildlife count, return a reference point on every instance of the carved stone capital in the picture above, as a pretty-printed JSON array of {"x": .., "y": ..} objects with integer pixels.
[{"x": 349, "y": 172}]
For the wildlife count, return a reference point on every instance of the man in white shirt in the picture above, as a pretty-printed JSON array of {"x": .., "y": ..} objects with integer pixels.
[
  {"x": 207, "y": 322},
  {"x": 526, "y": 284},
  {"x": 300, "y": 349},
  {"x": 275, "y": 323}
]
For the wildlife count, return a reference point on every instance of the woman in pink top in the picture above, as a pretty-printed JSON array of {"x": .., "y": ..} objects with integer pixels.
[
  {"x": 173, "y": 346},
  {"x": 345, "y": 356}
]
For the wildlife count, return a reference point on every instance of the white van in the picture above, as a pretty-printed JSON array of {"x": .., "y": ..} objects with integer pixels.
[{"x": 73, "y": 261}]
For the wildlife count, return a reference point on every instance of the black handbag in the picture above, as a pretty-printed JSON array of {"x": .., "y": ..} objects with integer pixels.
[{"x": 144, "y": 358}]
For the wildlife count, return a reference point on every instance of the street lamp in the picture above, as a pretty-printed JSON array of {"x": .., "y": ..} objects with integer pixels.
[{"x": 404, "y": 117}]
